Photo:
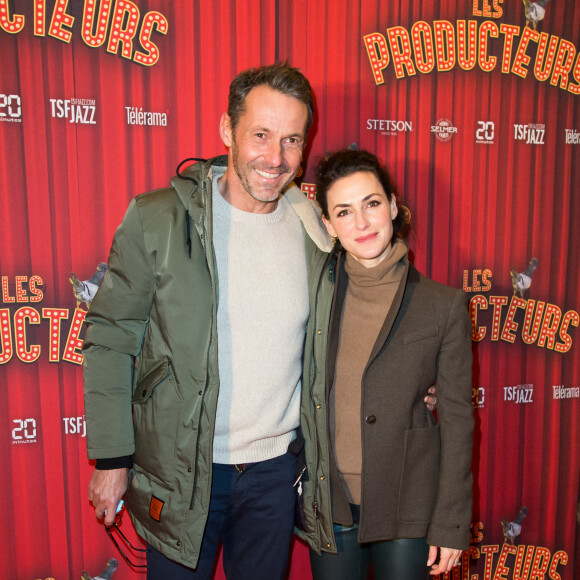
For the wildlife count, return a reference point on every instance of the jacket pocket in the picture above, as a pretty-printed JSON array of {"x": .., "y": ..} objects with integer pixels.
[
  {"x": 145, "y": 386},
  {"x": 420, "y": 475},
  {"x": 156, "y": 416},
  {"x": 427, "y": 332}
]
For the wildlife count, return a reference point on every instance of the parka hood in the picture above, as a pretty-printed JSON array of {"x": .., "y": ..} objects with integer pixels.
[{"x": 188, "y": 185}]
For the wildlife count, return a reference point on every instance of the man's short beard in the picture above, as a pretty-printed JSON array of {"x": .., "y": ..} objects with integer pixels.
[
  {"x": 246, "y": 185},
  {"x": 269, "y": 199}
]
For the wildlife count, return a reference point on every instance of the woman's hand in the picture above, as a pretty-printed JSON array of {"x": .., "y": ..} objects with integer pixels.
[
  {"x": 431, "y": 399},
  {"x": 447, "y": 560}
]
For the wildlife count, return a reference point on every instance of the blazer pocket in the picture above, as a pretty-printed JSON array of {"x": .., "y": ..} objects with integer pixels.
[
  {"x": 420, "y": 475},
  {"x": 427, "y": 332}
]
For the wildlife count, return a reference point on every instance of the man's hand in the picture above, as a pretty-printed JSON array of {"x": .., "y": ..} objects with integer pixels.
[
  {"x": 431, "y": 399},
  {"x": 447, "y": 560},
  {"x": 106, "y": 488}
]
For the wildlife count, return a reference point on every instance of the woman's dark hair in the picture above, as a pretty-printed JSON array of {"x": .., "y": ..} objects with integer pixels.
[
  {"x": 279, "y": 76},
  {"x": 345, "y": 162}
]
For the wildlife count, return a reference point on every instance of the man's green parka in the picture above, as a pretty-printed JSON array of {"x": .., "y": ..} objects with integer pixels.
[{"x": 151, "y": 368}]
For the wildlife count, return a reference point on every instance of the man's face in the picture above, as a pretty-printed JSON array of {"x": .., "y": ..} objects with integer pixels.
[{"x": 265, "y": 149}]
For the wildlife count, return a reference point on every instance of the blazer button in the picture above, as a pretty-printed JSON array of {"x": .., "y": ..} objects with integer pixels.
[{"x": 370, "y": 418}]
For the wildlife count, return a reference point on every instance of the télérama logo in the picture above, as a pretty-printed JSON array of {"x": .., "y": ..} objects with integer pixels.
[{"x": 572, "y": 137}]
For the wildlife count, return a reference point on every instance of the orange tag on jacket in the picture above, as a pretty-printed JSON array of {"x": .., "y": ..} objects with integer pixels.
[{"x": 155, "y": 508}]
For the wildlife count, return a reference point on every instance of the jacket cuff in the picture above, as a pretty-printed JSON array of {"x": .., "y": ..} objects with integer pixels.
[
  {"x": 444, "y": 536},
  {"x": 115, "y": 462}
]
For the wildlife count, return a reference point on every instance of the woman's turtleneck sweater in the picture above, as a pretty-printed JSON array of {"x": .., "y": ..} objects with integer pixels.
[{"x": 369, "y": 296}]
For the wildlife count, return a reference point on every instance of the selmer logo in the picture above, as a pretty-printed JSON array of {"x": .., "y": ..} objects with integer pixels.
[{"x": 444, "y": 130}]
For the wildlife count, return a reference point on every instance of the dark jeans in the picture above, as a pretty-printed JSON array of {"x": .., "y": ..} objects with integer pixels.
[
  {"x": 252, "y": 512},
  {"x": 402, "y": 559}
]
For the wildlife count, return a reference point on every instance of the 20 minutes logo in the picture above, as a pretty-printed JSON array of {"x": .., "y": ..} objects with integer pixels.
[
  {"x": 485, "y": 132},
  {"x": 24, "y": 431},
  {"x": 10, "y": 108}
]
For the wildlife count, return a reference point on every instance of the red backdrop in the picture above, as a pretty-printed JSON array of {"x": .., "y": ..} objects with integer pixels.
[{"x": 486, "y": 154}]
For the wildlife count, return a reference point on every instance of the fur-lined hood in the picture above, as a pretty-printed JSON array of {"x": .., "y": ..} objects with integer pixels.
[{"x": 194, "y": 184}]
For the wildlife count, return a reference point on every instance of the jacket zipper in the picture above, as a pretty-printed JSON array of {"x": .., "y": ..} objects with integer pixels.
[
  {"x": 315, "y": 508},
  {"x": 203, "y": 243},
  {"x": 325, "y": 264}
]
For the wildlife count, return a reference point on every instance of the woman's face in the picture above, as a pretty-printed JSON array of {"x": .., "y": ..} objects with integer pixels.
[{"x": 361, "y": 216}]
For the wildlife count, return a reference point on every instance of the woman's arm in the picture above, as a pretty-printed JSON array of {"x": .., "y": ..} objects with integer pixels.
[{"x": 452, "y": 514}]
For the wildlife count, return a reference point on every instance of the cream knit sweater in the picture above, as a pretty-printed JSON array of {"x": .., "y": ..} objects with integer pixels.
[{"x": 262, "y": 315}]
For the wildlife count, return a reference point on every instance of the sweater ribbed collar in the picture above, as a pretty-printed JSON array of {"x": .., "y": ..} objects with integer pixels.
[{"x": 389, "y": 271}]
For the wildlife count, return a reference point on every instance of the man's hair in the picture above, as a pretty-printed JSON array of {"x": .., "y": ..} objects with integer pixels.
[
  {"x": 335, "y": 166},
  {"x": 279, "y": 76}
]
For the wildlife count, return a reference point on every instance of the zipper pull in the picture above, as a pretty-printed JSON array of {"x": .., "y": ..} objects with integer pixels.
[{"x": 315, "y": 508}]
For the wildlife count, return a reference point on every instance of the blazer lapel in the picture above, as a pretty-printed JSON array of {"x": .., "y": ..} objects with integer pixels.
[{"x": 397, "y": 310}]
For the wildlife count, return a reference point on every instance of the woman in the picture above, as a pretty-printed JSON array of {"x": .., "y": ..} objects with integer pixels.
[{"x": 400, "y": 481}]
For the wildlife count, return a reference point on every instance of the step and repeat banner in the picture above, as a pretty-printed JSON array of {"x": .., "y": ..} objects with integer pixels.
[{"x": 475, "y": 108}]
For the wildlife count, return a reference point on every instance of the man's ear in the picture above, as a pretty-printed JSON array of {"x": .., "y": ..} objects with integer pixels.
[
  {"x": 226, "y": 132},
  {"x": 329, "y": 227}
]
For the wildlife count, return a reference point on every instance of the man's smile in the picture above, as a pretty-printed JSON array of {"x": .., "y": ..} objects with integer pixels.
[{"x": 267, "y": 175}]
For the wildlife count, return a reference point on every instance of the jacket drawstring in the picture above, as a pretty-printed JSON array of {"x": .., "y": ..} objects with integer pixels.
[
  {"x": 194, "y": 181},
  {"x": 188, "y": 233}
]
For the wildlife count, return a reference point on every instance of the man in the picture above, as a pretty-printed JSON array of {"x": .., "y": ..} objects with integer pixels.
[{"x": 208, "y": 292}]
